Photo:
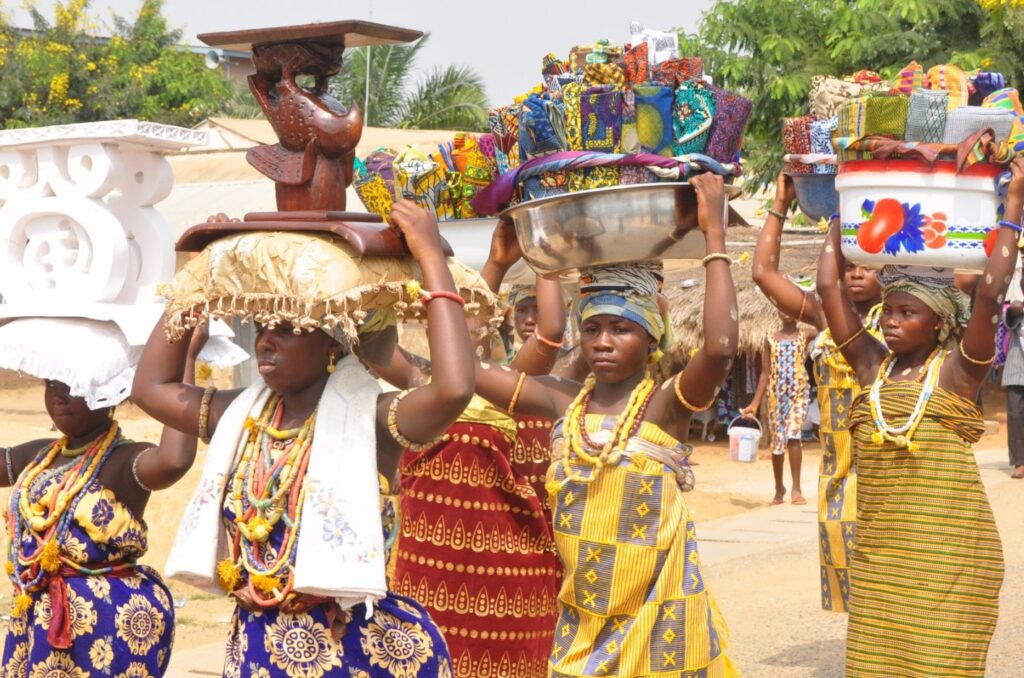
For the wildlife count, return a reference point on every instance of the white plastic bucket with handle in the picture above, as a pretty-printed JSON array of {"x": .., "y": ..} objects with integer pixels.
[{"x": 743, "y": 440}]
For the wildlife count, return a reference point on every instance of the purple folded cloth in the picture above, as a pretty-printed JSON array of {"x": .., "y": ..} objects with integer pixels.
[{"x": 497, "y": 195}]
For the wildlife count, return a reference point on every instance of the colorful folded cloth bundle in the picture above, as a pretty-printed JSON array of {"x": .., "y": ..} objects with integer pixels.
[
  {"x": 381, "y": 162},
  {"x": 635, "y": 64},
  {"x": 730, "y": 119},
  {"x": 966, "y": 120},
  {"x": 983, "y": 84},
  {"x": 504, "y": 125},
  {"x": 952, "y": 79},
  {"x": 1008, "y": 99},
  {"x": 601, "y": 52},
  {"x": 541, "y": 126},
  {"x": 601, "y": 121},
  {"x": 828, "y": 94},
  {"x": 374, "y": 193},
  {"x": 796, "y": 139},
  {"x": 926, "y": 115},
  {"x": 910, "y": 79},
  {"x": 692, "y": 116},
  {"x": 654, "y": 122},
  {"x": 821, "y": 143},
  {"x": 677, "y": 72},
  {"x": 423, "y": 181},
  {"x": 604, "y": 74}
]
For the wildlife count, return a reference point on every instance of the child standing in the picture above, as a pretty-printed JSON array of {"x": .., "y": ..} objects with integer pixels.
[{"x": 784, "y": 377}]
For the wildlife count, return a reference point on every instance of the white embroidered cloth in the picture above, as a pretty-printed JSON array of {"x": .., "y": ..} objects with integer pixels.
[{"x": 340, "y": 552}]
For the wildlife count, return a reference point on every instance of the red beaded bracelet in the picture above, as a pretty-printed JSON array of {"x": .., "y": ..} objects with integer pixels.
[
  {"x": 547, "y": 342},
  {"x": 442, "y": 294}
]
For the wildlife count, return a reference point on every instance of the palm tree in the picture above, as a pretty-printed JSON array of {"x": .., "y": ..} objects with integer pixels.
[{"x": 378, "y": 79}]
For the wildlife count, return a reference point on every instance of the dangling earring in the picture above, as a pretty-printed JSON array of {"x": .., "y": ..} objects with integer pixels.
[
  {"x": 330, "y": 364},
  {"x": 111, "y": 411}
]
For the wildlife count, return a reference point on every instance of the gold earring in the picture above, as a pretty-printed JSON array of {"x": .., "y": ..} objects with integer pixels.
[{"x": 330, "y": 364}]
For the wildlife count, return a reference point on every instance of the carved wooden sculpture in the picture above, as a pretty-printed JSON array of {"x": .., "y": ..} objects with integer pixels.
[{"x": 312, "y": 163}]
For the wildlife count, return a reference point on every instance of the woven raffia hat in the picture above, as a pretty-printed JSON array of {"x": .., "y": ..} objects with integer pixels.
[{"x": 307, "y": 280}]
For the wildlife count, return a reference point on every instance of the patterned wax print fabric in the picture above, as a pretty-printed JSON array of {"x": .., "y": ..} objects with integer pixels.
[
  {"x": 951, "y": 79},
  {"x": 374, "y": 194},
  {"x": 789, "y": 391},
  {"x": 381, "y": 162},
  {"x": 504, "y": 126},
  {"x": 541, "y": 127},
  {"x": 634, "y": 601},
  {"x": 927, "y": 564},
  {"x": 796, "y": 140},
  {"x": 821, "y": 142},
  {"x": 630, "y": 141},
  {"x": 475, "y": 548},
  {"x": 120, "y": 625},
  {"x": 423, "y": 181},
  {"x": 910, "y": 79},
  {"x": 692, "y": 116},
  {"x": 635, "y": 64},
  {"x": 654, "y": 126},
  {"x": 730, "y": 120},
  {"x": 926, "y": 116},
  {"x": 601, "y": 127},
  {"x": 675, "y": 72},
  {"x": 399, "y": 638},
  {"x": 601, "y": 52},
  {"x": 837, "y": 477},
  {"x": 967, "y": 120},
  {"x": 604, "y": 74},
  {"x": 531, "y": 454}
]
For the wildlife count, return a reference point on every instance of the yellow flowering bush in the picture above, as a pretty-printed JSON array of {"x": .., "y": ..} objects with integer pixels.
[{"x": 66, "y": 72}]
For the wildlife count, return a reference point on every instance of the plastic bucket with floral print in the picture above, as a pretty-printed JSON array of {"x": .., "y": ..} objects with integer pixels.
[{"x": 907, "y": 212}]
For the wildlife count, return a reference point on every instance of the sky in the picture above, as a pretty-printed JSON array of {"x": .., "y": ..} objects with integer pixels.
[{"x": 504, "y": 42}]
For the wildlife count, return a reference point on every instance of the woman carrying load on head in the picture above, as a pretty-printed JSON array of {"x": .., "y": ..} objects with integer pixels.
[
  {"x": 83, "y": 604},
  {"x": 286, "y": 518},
  {"x": 633, "y": 600},
  {"x": 927, "y": 565},
  {"x": 475, "y": 545},
  {"x": 837, "y": 388}
]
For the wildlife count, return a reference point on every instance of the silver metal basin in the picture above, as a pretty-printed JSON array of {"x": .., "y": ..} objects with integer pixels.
[{"x": 640, "y": 222}]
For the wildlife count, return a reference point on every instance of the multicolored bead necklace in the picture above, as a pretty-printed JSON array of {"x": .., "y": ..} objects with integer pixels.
[
  {"x": 48, "y": 525},
  {"x": 267, "y": 488}
]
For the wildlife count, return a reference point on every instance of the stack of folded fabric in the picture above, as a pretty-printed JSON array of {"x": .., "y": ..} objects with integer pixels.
[
  {"x": 443, "y": 182},
  {"x": 930, "y": 112},
  {"x": 607, "y": 102}
]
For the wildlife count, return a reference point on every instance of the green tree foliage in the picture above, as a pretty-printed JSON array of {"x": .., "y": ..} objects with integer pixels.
[
  {"x": 771, "y": 50},
  {"x": 447, "y": 98},
  {"x": 61, "y": 72}
]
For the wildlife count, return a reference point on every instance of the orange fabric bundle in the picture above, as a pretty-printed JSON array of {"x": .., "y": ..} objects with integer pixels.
[{"x": 953, "y": 80}]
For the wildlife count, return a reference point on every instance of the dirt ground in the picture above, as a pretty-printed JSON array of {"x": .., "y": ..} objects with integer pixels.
[{"x": 723, "y": 488}]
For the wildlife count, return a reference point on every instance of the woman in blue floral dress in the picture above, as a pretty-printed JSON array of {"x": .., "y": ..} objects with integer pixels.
[{"x": 84, "y": 607}]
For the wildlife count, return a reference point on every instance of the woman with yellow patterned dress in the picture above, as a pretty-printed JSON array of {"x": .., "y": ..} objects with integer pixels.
[
  {"x": 927, "y": 565},
  {"x": 83, "y": 604},
  {"x": 474, "y": 544},
  {"x": 633, "y": 600},
  {"x": 286, "y": 518},
  {"x": 837, "y": 388}
]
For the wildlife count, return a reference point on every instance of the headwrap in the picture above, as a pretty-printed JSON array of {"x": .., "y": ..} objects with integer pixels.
[
  {"x": 519, "y": 293},
  {"x": 935, "y": 288},
  {"x": 630, "y": 291}
]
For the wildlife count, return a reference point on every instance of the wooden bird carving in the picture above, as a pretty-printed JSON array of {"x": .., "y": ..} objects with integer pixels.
[{"x": 312, "y": 164}]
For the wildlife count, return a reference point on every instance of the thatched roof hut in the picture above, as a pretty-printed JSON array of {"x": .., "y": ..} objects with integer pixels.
[{"x": 758, "y": 317}]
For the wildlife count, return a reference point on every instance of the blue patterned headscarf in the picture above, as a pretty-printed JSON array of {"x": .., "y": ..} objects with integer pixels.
[{"x": 630, "y": 291}]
